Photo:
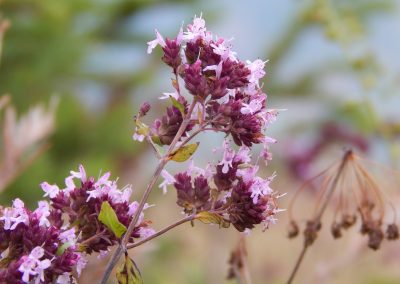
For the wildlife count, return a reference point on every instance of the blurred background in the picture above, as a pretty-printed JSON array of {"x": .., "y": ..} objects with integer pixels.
[{"x": 74, "y": 73}]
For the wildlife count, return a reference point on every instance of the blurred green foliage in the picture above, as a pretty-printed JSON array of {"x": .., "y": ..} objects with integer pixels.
[{"x": 43, "y": 54}]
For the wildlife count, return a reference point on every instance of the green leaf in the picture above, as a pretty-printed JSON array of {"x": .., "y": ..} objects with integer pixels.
[
  {"x": 184, "y": 153},
  {"x": 108, "y": 217},
  {"x": 62, "y": 248},
  {"x": 156, "y": 139},
  {"x": 178, "y": 105},
  {"x": 212, "y": 218},
  {"x": 129, "y": 273}
]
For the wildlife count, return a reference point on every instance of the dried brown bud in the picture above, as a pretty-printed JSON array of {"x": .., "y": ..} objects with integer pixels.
[
  {"x": 375, "y": 238},
  {"x": 348, "y": 220},
  {"x": 293, "y": 229},
  {"x": 336, "y": 230},
  {"x": 310, "y": 233},
  {"x": 392, "y": 232},
  {"x": 365, "y": 228}
]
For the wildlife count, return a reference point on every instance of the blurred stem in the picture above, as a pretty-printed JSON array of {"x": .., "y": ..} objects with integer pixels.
[
  {"x": 8, "y": 175},
  {"x": 4, "y": 25},
  {"x": 286, "y": 42},
  {"x": 298, "y": 262},
  {"x": 244, "y": 271},
  {"x": 194, "y": 134},
  {"x": 163, "y": 161}
]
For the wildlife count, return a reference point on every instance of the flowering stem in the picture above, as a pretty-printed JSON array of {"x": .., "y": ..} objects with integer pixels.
[
  {"x": 184, "y": 142},
  {"x": 87, "y": 241},
  {"x": 163, "y": 231},
  {"x": 121, "y": 248},
  {"x": 316, "y": 220},
  {"x": 163, "y": 161}
]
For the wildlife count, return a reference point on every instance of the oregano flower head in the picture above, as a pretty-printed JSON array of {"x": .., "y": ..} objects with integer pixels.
[
  {"x": 50, "y": 244},
  {"x": 222, "y": 94}
]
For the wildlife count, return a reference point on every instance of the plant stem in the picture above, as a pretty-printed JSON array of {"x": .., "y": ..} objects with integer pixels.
[
  {"x": 318, "y": 216},
  {"x": 121, "y": 248},
  {"x": 153, "y": 146},
  {"x": 162, "y": 231},
  {"x": 163, "y": 161},
  {"x": 244, "y": 271},
  {"x": 298, "y": 262}
]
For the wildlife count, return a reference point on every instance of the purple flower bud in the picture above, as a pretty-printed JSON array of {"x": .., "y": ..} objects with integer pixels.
[
  {"x": 172, "y": 53},
  {"x": 243, "y": 213},
  {"x": 208, "y": 56},
  {"x": 192, "y": 196},
  {"x": 237, "y": 73},
  {"x": 195, "y": 82},
  {"x": 144, "y": 109},
  {"x": 218, "y": 88},
  {"x": 192, "y": 51}
]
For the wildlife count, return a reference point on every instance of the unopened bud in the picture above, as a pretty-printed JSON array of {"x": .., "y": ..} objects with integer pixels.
[
  {"x": 348, "y": 220},
  {"x": 392, "y": 232},
  {"x": 144, "y": 109}
]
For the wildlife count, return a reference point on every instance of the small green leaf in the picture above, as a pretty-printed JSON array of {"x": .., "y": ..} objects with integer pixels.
[
  {"x": 62, "y": 248},
  {"x": 212, "y": 218},
  {"x": 108, "y": 217},
  {"x": 184, "y": 153},
  {"x": 129, "y": 273},
  {"x": 156, "y": 139},
  {"x": 178, "y": 105}
]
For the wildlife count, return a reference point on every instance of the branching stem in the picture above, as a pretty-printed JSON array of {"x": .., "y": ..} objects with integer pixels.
[
  {"x": 162, "y": 162},
  {"x": 347, "y": 156},
  {"x": 162, "y": 231}
]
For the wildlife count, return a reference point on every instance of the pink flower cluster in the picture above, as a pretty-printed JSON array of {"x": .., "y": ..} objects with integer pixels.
[
  {"x": 50, "y": 244},
  {"x": 223, "y": 94},
  {"x": 226, "y": 91},
  {"x": 231, "y": 189}
]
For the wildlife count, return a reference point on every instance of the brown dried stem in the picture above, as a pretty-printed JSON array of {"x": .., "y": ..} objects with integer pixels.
[{"x": 317, "y": 219}]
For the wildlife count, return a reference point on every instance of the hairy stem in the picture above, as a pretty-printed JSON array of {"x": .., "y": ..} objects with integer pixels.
[{"x": 163, "y": 231}]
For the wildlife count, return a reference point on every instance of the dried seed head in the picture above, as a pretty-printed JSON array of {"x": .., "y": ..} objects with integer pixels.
[
  {"x": 293, "y": 230},
  {"x": 237, "y": 260},
  {"x": 311, "y": 232},
  {"x": 336, "y": 230},
  {"x": 365, "y": 228},
  {"x": 392, "y": 232},
  {"x": 375, "y": 238},
  {"x": 348, "y": 220}
]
